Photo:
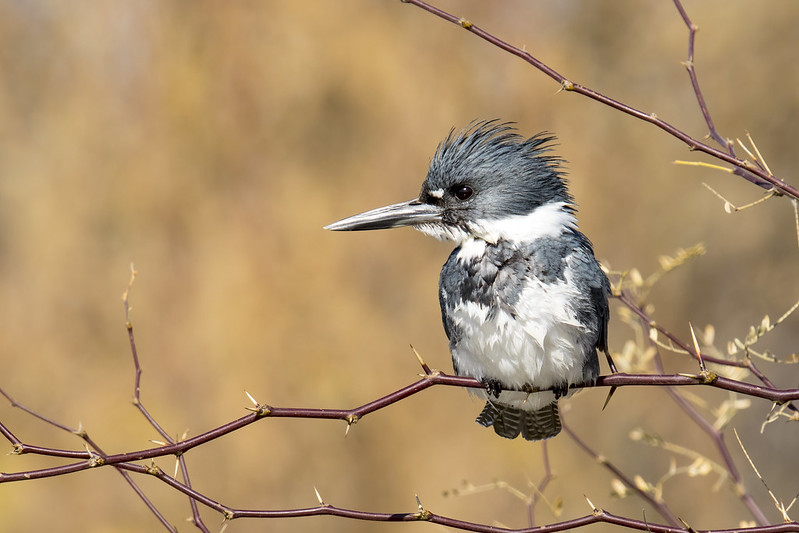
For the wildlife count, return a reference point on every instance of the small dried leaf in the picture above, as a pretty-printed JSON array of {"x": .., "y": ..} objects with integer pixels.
[
  {"x": 653, "y": 334},
  {"x": 728, "y": 207},
  {"x": 742, "y": 403},
  {"x": 636, "y": 278},
  {"x": 709, "y": 335},
  {"x": 617, "y": 488},
  {"x": 628, "y": 350},
  {"x": 557, "y": 506},
  {"x": 700, "y": 467},
  {"x": 640, "y": 483}
]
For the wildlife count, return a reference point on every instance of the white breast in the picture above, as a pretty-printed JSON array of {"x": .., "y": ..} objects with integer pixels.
[{"x": 539, "y": 346}]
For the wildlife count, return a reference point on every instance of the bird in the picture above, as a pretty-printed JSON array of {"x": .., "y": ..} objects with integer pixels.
[{"x": 523, "y": 299}]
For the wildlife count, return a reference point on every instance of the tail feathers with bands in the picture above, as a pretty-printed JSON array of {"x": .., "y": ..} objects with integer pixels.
[{"x": 509, "y": 422}]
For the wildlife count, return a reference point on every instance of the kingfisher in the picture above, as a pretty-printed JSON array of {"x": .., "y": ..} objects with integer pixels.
[{"x": 523, "y": 299}]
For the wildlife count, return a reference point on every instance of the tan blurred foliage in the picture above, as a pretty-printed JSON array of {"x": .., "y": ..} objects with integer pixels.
[{"x": 209, "y": 142}]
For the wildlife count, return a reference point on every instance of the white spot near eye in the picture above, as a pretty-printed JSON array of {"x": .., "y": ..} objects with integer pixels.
[{"x": 438, "y": 193}]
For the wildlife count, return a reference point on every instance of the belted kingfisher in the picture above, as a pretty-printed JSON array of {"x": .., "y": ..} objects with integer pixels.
[{"x": 523, "y": 299}]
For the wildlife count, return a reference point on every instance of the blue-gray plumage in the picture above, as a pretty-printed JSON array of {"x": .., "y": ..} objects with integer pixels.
[{"x": 523, "y": 300}]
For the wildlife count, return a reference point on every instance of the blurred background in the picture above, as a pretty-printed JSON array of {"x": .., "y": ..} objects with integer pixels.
[{"x": 209, "y": 142}]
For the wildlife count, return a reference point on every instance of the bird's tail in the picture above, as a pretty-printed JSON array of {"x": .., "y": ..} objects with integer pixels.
[{"x": 509, "y": 421}]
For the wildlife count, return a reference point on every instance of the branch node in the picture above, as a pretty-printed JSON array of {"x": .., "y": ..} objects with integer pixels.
[
  {"x": 466, "y": 24},
  {"x": 260, "y": 410},
  {"x": 566, "y": 85},
  {"x": 17, "y": 448},
  {"x": 707, "y": 377},
  {"x": 423, "y": 513},
  {"x": 80, "y": 432},
  {"x": 704, "y": 377}
]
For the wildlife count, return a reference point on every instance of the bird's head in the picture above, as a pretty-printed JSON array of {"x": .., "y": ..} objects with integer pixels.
[{"x": 485, "y": 182}]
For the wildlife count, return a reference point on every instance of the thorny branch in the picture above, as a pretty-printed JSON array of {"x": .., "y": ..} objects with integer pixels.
[
  {"x": 351, "y": 416},
  {"x": 749, "y": 171},
  {"x": 657, "y": 503},
  {"x": 717, "y": 437},
  {"x": 195, "y": 513},
  {"x": 19, "y": 447},
  {"x": 94, "y": 459},
  {"x": 746, "y": 363},
  {"x": 126, "y": 463}
]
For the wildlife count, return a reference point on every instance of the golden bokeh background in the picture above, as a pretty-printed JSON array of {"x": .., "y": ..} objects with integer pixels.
[{"x": 209, "y": 142}]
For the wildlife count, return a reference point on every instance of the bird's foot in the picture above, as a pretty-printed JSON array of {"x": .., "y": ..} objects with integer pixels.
[
  {"x": 560, "y": 390},
  {"x": 493, "y": 387}
]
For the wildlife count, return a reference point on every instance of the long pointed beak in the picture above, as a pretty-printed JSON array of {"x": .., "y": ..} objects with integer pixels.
[{"x": 410, "y": 213}]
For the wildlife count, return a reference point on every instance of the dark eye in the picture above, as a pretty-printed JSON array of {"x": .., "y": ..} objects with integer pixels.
[{"x": 462, "y": 192}]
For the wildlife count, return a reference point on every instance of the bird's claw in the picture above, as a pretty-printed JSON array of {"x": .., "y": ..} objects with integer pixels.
[
  {"x": 560, "y": 390},
  {"x": 493, "y": 387}
]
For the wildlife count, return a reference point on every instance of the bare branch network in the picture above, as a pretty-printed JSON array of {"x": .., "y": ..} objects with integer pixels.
[{"x": 630, "y": 293}]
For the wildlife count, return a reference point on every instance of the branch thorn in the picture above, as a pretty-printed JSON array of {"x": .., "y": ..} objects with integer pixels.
[
  {"x": 319, "y": 497},
  {"x": 698, "y": 351},
  {"x": 251, "y": 398},
  {"x": 423, "y": 513},
  {"x": 594, "y": 509},
  {"x": 687, "y": 527},
  {"x": 426, "y": 368},
  {"x": 607, "y": 398},
  {"x": 257, "y": 408},
  {"x": 351, "y": 419}
]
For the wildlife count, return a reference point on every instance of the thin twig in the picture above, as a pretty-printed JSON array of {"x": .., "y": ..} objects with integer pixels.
[
  {"x": 752, "y": 173},
  {"x": 689, "y": 66},
  {"x": 659, "y": 505},
  {"x": 717, "y": 437},
  {"x": 21, "y": 448},
  {"x": 195, "y": 512},
  {"x": 542, "y": 485}
]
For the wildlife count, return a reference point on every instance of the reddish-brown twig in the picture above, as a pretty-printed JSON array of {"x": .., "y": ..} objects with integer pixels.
[
  {"x": 195, "y": 513},
  {"x": 753, "y": 173},
  {"x": 659, "y": 505},
  {"x": 20, "y": 448}
]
